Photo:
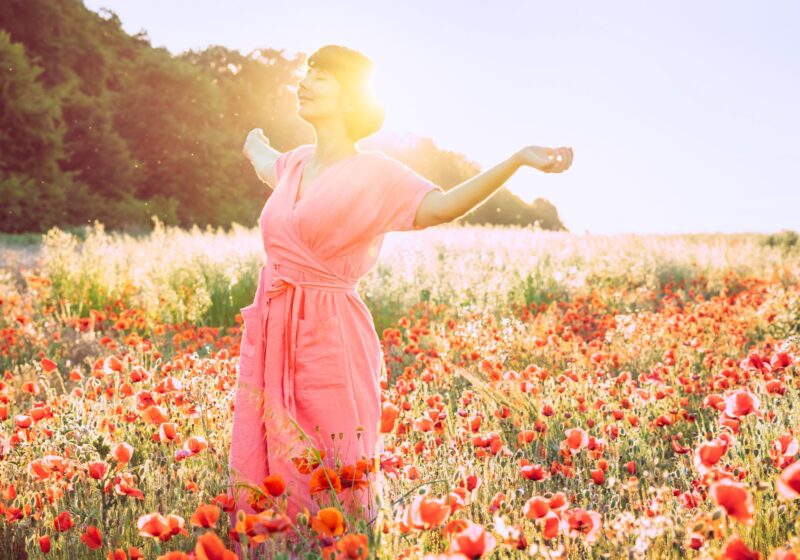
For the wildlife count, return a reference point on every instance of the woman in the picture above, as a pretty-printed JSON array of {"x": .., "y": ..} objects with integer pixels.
[{"x": 310, "y": 359}]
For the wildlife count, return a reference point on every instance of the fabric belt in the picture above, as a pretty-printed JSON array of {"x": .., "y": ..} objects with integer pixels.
[{"x": 294, "y": 290}]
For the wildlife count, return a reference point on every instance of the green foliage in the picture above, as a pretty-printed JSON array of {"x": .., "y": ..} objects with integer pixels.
[
  {"x": 506, "y": 208},
  {"x": 786, "y": 239},
  {"x": 31, "y": 138},
  {"x": 99, "y": 125}
]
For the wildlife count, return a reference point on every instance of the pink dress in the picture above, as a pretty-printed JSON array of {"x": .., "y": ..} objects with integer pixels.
[{"x": 310, "y": 356}]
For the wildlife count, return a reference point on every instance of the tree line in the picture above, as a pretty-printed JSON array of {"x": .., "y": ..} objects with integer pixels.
[{"x": 97, "y": 124}]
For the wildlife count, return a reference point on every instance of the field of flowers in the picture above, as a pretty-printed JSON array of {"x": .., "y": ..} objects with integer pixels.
[{"x": 548, "y": 395}]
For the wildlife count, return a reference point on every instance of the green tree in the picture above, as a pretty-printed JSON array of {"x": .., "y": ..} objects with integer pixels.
[
  {"x": 66, "y": 42},
  {"x": 31, "y": 141}
]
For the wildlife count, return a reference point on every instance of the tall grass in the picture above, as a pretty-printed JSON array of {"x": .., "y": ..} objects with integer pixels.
[{"x": 206, "y": 276}]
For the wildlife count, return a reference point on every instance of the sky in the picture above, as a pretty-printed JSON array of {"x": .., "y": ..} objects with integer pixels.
[{"x": 683, "y": 116}]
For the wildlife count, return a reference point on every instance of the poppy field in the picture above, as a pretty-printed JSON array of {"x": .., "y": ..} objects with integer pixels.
[{"x": 546, "y": 395}]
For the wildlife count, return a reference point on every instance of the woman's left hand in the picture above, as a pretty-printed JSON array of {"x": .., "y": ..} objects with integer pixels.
[
  {"x": 548, "y": 160},
  {"x": 255, "y": 139}
]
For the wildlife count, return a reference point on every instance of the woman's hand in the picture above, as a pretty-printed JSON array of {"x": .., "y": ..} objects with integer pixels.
[
  {"x": 549, "y": 160},
  {"x": 255, "y": 138}
]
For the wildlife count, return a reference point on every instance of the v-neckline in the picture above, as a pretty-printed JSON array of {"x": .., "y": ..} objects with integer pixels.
[{"x": 296, "y": 203}]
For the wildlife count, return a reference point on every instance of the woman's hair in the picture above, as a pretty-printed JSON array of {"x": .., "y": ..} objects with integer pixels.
[{"x": 353, "y": 71}]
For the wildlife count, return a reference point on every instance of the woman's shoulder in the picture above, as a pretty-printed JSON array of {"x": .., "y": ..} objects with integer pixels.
[
  {"x": 378, "y": 156},
  {"x": 288, "y": 157},
  {"x": 392, "y": 169},
  {"x": 300, "y": 150},
  {"x": 384, "y": 164},
  {"x": 388, "y": 162},
  {"x": 376, "y": 169},
  {"x": 307, "y": 149},
  {"x": 373, "y": 160},
  {"x": 287, "y": 160}
]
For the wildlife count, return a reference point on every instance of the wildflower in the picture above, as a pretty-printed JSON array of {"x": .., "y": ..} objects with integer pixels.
[
  {"x": 576, "y": 439},
  {"x": 427, "y": 512},
  {"x": 735, "y": 498},
  {"x": 328, "y": 522},
  {"x": 736, "y": 549},
  {"x": 324, "y": 478},
  {"x": 741, "y": 403},
  {"x": 92, "y": 538},
  {"x": 473, "y": 542},
  {"x": 708, "y": 454},
  {"x": 274, "y": 485},
  {"x": 388, "y": 417},
  {"x": 206, "y": 515},
  {"x": 536, "y": 508},
  {"x": 354, "y": 546},
  {"x": 788, "y": 483},
  {"x": 63, "y": 521},
  {"x": 122, "y": 452},
  {"x": 209, "y": 545},
  {"x": 583, "y": 523}
]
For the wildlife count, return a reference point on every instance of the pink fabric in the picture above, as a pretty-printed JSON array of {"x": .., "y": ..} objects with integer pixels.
[{"x": 309, "y": 352}]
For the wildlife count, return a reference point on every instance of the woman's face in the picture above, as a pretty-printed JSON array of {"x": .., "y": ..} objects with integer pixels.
[{"x": 319, "y": 96}]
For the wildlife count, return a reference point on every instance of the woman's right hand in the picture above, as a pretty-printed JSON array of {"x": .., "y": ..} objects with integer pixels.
[
  {"x": 254, "y": 138},
  {"x": 549, "y": 160}
]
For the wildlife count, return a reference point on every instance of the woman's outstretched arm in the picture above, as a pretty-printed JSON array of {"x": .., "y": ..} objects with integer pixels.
[
  {"x": 257, "y": 149},
  {"x": 440, "y": 207}
]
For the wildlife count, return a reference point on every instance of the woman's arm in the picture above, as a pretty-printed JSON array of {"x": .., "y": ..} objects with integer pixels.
[
  {"x": 257, "y": 149},
  {"x": 438, "y": 207}
]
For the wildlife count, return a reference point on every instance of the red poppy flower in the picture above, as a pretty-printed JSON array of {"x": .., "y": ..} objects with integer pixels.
[
  {"x": 354, "y": 546},
  {"x": 536, "y": 507},
  {"x": 425, "y": 511},
  {"x": 788, "y": 483},
  {"x": 473, "y": 542},
  {"x": 154, "y": 525},
  {"x": 63, "y": 521},
  {"x": 735, "y": 498},
  {"x": 206, "y": 515},
  {"x": 388, "y": 417},
  {"x": 741, "y": 403},
  {"x": 708, "y": 454},
  {"x": 44, "y": 543},
  {"x": 533, "y": 472},
  {"x": 209, "y": 545},
  {"x": 324, "y": 478},
  {"x": 576, "y": 439},
  {"x": 92, "y": 538},
  {"x": 274, "y": 485},
  {"x": 122, "y": 452},
  {"x": 48, "y": 365},
  {"x": 328, "y": 522},
  {"x": 735, "y": 549},
  {"x": 583, "y": 523}
]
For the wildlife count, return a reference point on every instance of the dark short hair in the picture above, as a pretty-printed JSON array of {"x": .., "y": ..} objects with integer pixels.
[{"x": 353, "y": 71}]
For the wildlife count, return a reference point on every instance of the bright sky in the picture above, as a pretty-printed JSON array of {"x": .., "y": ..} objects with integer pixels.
[{"x": 683, "y": 117}]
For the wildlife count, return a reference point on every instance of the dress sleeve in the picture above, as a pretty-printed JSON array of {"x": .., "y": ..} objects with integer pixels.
[
  {"x": 280, "y": 165},
  {"x": 403, "y": 190}
]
